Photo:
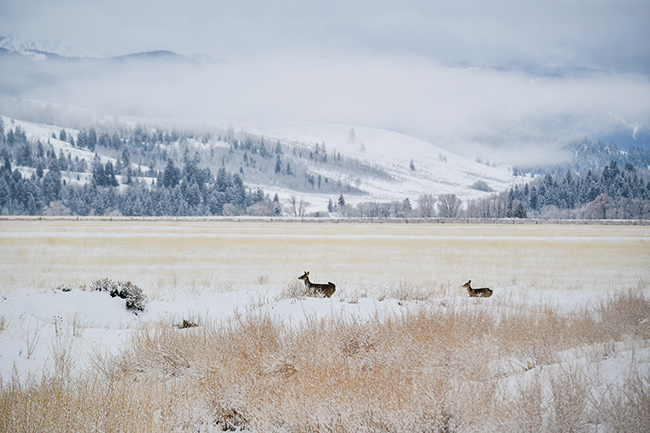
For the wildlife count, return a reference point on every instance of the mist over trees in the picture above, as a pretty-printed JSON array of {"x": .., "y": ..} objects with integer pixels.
[
  {"x": 587, "y": 154},
  {"x": 137, "y": 170}
]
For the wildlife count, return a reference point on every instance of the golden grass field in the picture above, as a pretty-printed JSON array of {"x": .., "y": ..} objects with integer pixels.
[{"x": 366, "y": 258}]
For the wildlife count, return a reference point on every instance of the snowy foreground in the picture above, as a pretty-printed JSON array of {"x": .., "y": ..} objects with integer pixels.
[{"x": 586, "y": 383}]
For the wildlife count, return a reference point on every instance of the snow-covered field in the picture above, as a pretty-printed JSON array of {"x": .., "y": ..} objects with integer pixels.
[{"x": 563, "y": 344}]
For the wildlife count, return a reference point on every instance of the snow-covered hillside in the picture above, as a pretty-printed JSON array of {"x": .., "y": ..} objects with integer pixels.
[
  {"x": 416, "y": 166},
  {"x": 382, "y": 166}
]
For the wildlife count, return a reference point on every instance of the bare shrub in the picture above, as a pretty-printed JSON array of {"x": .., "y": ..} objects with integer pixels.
[
  {"x": 62, "y": 352},
  {"x": 105, "y": 285},
  {"x": 624, "y": 313},
  {"x": 295, "y": 289},
  {"x": 407, "y": 292},
  {"x": 481, "y": 185},
  {"x": 30, "y": 333},
  {"x": 570, "y": 388},
  {"x": 528, "y": 410},
  {"x": 626, "y": 408}
]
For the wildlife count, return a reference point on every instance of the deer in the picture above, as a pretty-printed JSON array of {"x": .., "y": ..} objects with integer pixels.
[
  {"x": 326, "y": 289},
  {"x": 483, "y": 292}
]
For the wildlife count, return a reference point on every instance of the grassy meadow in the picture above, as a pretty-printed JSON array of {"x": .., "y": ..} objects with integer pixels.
[
  {"x": 373, "y": 258},
  {"x": 563, "y": 345}
]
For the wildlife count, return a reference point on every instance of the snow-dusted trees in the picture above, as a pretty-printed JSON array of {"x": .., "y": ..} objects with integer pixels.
[
  {"x": 449, "y": 206},
  {"x": 612, "y": 192},
  {"x": 426, "y": 205}
]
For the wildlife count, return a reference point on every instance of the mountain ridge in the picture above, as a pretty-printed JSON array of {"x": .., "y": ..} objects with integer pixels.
[{"x": 44, "y": 50}]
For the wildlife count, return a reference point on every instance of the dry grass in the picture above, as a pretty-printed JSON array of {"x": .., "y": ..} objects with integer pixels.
[
  {"x": 465, "y": 367},
  {"x": 359, "y": 258}
]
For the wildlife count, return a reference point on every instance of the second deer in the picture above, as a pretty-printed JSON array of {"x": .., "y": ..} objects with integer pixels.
[
  {"x": 483, "y": 292},
  {"x": 326, "y": 289}
]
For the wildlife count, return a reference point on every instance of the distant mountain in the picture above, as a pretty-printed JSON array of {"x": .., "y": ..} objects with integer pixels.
[
  {"x": 41, "y": 50},
  {"x": 39, "y": 70},
  {"x": 160, "y": 55},
  {"x": 52, "y": 50}
]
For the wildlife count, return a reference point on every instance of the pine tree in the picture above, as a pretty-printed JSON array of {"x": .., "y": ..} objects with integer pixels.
[
  {"x": 99, "y": 174},
  {"x": 92, "y": 140},
  {"x": 171, "y": 175},
  {"x": 109, "y": 174},
  {"x": 278, "y": 165},
  {"x": 352, "y": 135}
]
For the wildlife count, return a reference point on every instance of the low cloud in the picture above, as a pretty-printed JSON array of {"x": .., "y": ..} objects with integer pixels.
[
  {"x": 471, "y": 76},
  {"x": 468, "y": 110}
]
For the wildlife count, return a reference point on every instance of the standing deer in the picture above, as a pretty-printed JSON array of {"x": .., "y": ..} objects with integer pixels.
[
  {"x": 326, "y": 289},
  {"x": 483, "y": 292}
]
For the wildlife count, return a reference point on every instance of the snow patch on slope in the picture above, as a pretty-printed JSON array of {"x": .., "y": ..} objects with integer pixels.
[{"x": 435, "y": 170}]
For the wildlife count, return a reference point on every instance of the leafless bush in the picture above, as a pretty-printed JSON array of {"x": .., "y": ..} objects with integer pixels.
[
  {"x": 30, "y": 333},
  {"x": 295, "y": 289},
  {"x": 570, "y": 388},
  {"x": 624, "y": 313},
  {"x": 626, "y": 408},
  {"x": 62, "y": 352},
  {"x": 408, "y": 292}
]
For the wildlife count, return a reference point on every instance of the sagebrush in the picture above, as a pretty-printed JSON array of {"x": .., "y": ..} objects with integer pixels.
[
  {"x": 134, "y": 296},
  {"x": 454, "y": 367}
]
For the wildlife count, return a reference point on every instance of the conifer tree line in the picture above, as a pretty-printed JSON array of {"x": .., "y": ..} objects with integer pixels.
[
  {"x": 156, "y": 172},
  {"x": 167, "y": 172},
  {"x": 613, "y": 192},
  {"x": 178, "y": 190},
  {"x": 188, "y": 192}
]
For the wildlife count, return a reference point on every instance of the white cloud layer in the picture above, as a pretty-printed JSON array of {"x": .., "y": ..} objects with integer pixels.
[
  {"x": 461, "y": 73},
  {"x": 602, "y": 34}
]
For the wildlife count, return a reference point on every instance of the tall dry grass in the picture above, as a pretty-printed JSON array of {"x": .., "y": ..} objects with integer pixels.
[
  {"x": 371, "y": 258},
  {"x": 468, "y": 366}
]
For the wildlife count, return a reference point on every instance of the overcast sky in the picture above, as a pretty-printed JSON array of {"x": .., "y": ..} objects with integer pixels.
[
  {"x": 604, "y": 34},
  {"x": 397, "y": 64}
]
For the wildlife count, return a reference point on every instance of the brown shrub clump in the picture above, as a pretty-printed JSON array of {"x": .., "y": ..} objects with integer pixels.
[{"x": 465, "y": 367}]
